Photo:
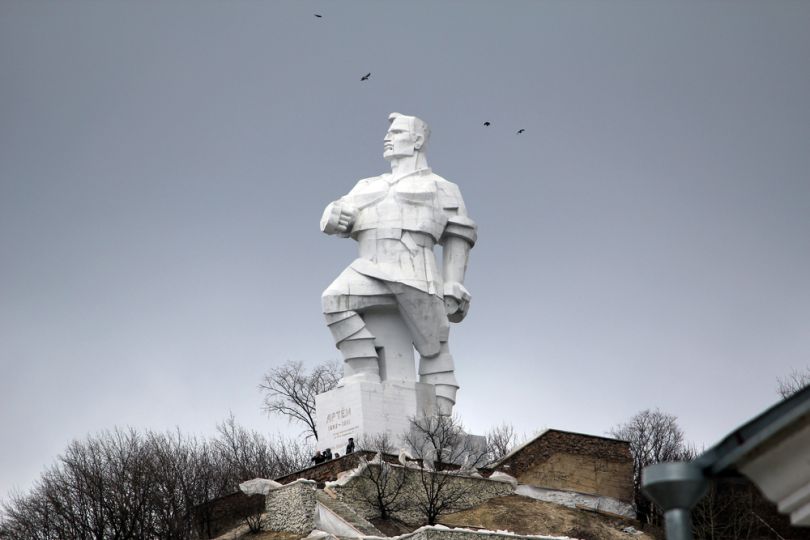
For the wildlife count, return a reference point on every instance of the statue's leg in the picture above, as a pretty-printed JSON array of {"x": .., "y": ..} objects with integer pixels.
[
  {"x": 426, "y": 317},
  {"x": 343, "y": 304},
  {"x": 437, "y": 368},
  {"x": 393, "y": 342},
  {"x": 439, "y": 371},
  {"x": 356, "y": 344}
]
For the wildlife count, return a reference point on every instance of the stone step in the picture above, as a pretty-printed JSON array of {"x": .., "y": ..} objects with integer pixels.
[{"x": 347, "y": 514}]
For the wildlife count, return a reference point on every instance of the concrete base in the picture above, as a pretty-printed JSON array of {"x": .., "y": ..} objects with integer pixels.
[
  {"x": 370, "y": 409},
  {"x": 476, "y": 449}
]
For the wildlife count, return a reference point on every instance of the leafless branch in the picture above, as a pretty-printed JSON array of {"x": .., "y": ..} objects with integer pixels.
[
  {"x": 126, "y": 484},
  {"x": 501, "y": 440},
  {"x": 654, "y": 437},
  {"x": 290, "y": 390},
  {"x": 440, "y": 441},
  {"x": 383, "y": 484},
  {"x": 793, "y": 382}
]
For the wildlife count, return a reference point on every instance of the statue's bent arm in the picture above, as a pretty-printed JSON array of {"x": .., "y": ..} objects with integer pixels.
[{"x": 338, "y": 217}]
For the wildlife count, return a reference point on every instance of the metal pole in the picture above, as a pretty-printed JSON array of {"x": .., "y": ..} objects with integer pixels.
[
  {"x": 675, "y": 487},
  {"x": 678, "y": 524}
]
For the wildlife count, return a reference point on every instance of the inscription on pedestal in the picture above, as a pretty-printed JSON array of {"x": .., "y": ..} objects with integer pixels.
[
  {"x": 370, "y": 409},
  {"x": 340, "y": 424}
]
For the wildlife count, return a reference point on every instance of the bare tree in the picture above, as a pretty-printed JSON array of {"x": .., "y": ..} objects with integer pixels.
[
  {"x": 125, "y": 484},
  {"x": 654, "y": 437},
  {"x": 793, "y": 382},
  {"x": 441, "y": 444},
  {"x": 290, "y": 390},
  {"x": 381, "y": 486},
  {"x": 254, "y": 521},
  {"x": 501, "y": 440},
  {"x": 182, "y": 472},
  {"x": 726, "y": 512},
  {"x": 735, "y": 509},
  {"x": 244, "y": 455}
]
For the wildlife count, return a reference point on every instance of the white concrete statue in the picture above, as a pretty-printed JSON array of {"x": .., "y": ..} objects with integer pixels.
[{"x": 393, "y": 298}]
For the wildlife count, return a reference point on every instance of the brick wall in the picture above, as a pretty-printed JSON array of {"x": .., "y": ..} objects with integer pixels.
[
  {"x": 576, "y": 462},
  {"x": 328, "y": 470},
  {"x": 219, "y": 515}
]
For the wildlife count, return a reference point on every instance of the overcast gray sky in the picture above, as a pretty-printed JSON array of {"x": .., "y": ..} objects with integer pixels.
[{"x": 164, "y": 165}]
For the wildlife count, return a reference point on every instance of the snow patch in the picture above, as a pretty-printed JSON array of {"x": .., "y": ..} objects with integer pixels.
[
  {"x": 499, "y": 476},
  {"x": 482, "y": 532},
  {"x": 345, "y": 478},
  {"x": 259, "y": 486},
  {"x": 329, "y": 521},
  {"x": 572, "y": 499}
]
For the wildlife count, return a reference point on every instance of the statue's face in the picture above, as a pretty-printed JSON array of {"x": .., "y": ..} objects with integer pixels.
[{"x": 400, "y": 140}]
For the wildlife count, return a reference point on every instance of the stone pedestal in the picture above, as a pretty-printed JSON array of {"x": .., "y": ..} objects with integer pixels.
[{"x": 370, "y": 409}]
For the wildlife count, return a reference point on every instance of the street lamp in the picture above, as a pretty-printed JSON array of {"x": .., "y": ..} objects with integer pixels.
[{"x": 772, "y": 450}]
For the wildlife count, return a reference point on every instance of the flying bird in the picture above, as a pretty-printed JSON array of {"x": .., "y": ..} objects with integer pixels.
[
  {"x": 487, "y": 124},
  {"x": 365, "y": 77},
  {"x": 521, "y": 130},
  {"x": 318, "y": 15}
]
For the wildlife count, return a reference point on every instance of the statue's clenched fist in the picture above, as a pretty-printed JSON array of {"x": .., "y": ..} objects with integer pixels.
[
  {"x": 456, "y": 301},
  {"x": 338, "y": 218}
]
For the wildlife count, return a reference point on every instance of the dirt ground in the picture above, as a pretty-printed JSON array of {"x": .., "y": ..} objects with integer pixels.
[
  {"x": 523, "y": 515},
  {"x": 242, "y": 533},
  {"x": 520, "y": 515}
]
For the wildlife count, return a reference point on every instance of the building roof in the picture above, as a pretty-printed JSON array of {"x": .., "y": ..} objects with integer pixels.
[
  {"x": 519, "y": 448},
  {"x": 758, "y": 434}
]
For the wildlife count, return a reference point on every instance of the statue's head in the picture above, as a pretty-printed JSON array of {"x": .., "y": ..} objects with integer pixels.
[{"x": 406, "y": 136}]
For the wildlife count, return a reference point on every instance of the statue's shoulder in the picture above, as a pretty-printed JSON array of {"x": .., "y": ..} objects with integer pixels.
[
  {"x": 442, "y": 182},
  {"x": 365, "y": 184},
  {"x": 367, "y": 191},
  {"x": 369, "y": 180},
  {"x": 449, "y": 193},
  {"x": 429, "y": 174},
  {"x": 372, "y": 179}
]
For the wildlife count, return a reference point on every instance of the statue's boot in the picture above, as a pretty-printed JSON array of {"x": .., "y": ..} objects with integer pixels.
[
  {"x": 439, "y": 371},
  {"x": 356, "y": 344}
]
